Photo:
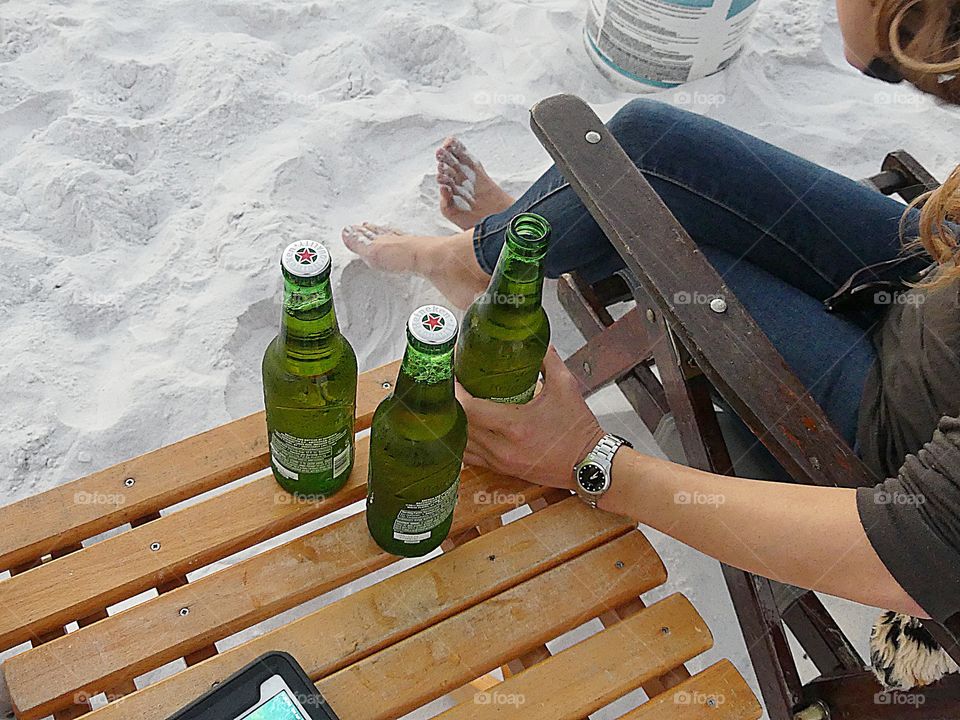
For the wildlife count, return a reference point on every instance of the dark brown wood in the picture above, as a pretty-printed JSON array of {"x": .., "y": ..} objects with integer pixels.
[
  {"x": 612, "y": 353},
  {"x": 747, "y": 371},
  {"x": 858, "y": 696},
  {"x": 690, "y": 398},
  {"x": 724, "y": 342},
  {"x": 588, "y": 312},
  {"x": 820, "y": 636}
]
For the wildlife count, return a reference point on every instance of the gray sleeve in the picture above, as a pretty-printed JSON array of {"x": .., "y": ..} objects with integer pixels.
[{"x": 913, "y": 522}]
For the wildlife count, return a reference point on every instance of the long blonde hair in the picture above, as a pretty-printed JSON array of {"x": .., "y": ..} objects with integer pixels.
[
  {"x": 938, "y": 208},
  {"x": 923, "y": 38}
]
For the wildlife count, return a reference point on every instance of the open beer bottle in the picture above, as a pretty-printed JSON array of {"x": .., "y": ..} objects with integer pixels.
[
  {"x": 506, "y": 331},
  {"x": 309, "y": 381},
  {"x": 417, "y": 440}
]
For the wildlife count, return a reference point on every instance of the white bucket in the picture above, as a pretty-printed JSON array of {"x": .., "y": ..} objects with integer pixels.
[{"x": 644, "y": 45}]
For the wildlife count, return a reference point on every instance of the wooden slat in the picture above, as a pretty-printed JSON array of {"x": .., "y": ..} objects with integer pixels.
[
  {"x": 373, "y": 618},
  {"x": 63, "y": 516},
  {"x": 151, "y": 634},
  {"x": 83, "y": 582},
  {"x": 613, "y": 353},
  {"x": 447, "y": 655},
  {"x": 733, "y": 699},
  {"x": 595, "y": 672}
]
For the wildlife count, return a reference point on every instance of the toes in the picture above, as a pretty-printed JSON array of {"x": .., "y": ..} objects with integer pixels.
[
  {"x": 355, "y": 239},
  {"x": 447, "y": 163},
  {"x": 460, "y": 152}
]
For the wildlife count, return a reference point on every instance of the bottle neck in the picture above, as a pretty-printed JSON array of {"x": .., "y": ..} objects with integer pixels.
[
  {"x": 309, "y": 323},
  {"x": 425, "y": 380},
  {"x": 517, "y": 280}
]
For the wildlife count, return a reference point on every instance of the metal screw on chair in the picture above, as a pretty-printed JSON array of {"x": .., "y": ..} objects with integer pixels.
[
  {"x": 586, "y": 367},
  {"x": 155, "y": 546},
  {"x": 619, "y": 564},
  {"x": 651, "y": 316},
  {"x": 129, "y": 482},
  {"x": 184, "y": 611},
  {"x": 664, "y": 630},
  {"x": 385, "y": 384},
  {"x": 592, "y": 137},
  {"x": 718, "y": 305},
  {"x": 711, "y": 702}
]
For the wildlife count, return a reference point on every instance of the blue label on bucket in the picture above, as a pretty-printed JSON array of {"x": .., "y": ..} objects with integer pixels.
[{"x": 738, "y": 6}]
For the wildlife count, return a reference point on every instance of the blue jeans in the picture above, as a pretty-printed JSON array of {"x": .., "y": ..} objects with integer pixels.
[{"x": 783, "y": 232}]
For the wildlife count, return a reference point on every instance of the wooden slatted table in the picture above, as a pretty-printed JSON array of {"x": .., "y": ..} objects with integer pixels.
[{"x": 493, "y": 599}]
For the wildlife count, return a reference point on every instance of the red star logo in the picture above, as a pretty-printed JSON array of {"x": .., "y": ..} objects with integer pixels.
[
  {"x": 305, "y": 256},
  {"x": 432, "y": 322}
]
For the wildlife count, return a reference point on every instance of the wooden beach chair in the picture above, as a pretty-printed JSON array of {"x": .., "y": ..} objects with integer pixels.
[
  {"x": 710, "y": 354},
  {"x": 493, "y": 599}
]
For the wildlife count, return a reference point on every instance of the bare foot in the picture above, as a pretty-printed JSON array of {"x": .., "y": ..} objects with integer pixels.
[
  {"x": 467, "y": 193},
  {"x": 448, "y": 262}
]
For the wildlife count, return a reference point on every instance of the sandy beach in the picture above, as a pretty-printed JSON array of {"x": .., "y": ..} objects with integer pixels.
[{"x": 155, "y": 157}]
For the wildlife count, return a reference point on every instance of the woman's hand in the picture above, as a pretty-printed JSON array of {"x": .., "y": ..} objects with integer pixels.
[{"x": 539, "y": 441}]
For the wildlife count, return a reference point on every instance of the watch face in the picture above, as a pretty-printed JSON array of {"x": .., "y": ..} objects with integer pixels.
[{"x": 592, "y": 478}]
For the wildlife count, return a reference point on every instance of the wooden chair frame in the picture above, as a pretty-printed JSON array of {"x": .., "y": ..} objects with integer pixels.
[{"x": 700, "y": 349}]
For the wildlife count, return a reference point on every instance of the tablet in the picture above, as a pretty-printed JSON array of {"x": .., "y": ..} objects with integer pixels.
[{"x": 272, "y": 687}]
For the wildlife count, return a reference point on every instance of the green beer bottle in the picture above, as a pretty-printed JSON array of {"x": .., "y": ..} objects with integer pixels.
[
  {"x": 506, "y": 331},
  {"x": 417, "y": 440},
  {"x": 309, "y": 381}
]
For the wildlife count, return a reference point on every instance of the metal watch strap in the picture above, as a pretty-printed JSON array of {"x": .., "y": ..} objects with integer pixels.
[{"x": 604, "y": 451}]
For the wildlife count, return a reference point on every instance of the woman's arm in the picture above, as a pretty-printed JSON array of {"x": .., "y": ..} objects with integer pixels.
[{"x": 807, "y": 536}]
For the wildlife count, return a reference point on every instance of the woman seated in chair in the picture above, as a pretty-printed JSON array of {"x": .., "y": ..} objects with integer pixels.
[{"x": 785, "y": 234}]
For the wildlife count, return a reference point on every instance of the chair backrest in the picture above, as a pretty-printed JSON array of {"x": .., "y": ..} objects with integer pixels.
[{"x": 721, "y": 339}]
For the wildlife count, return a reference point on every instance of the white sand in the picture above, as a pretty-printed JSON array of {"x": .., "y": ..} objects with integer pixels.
[{"x": 156, "y": 156}]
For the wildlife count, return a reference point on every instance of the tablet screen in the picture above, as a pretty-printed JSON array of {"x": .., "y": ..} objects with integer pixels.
[{"x": 280, "y": 707}]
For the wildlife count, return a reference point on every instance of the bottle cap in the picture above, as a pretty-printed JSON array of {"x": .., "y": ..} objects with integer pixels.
[
  {"x": 305, "y": 259},
  {"x": 432, "y": 325}
]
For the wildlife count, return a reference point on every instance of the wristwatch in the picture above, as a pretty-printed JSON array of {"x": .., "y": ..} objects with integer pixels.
[{"x": 591, "y": 476}]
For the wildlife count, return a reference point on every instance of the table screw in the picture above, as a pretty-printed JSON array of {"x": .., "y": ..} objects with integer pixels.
[
  {"x": 592, "y": 137},
  {"x": 155, "y": 546},
  {"x": 650, "y": 315},
  {"x": 385, "y": 384},
  {"x": 586, "y": 367},
  {"x": 184, "y": 611},
  {"x": 664, "y": 630},
  {"x": 619, "y": 564},
  {"x": 711, "y": 702},
  {"x": 718, "y": 305},
  {"x": 129, "y": 482}
]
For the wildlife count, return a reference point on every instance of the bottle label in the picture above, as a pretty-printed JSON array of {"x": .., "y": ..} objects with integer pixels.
[
  {"x": 416, "y": 521},
  {"x": 295, "y": 456},
  {"x": 518, "y": 399}
]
